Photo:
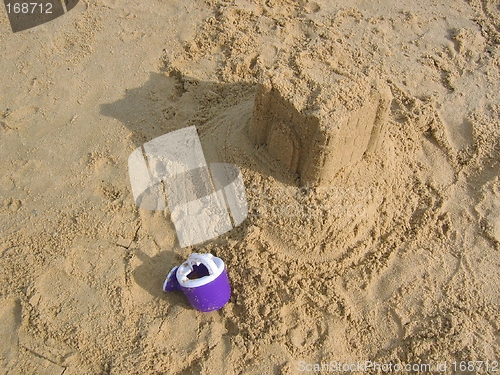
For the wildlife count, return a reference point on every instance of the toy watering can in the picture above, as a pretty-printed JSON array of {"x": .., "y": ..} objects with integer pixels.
[{"x": 203, "y": 280}]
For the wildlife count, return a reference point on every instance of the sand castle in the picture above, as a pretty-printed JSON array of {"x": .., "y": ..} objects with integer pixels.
[{"x": 314, "y": 127}]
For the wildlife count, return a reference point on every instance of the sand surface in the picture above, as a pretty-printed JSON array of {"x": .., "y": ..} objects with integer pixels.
[{"x": 395, "y": 262}]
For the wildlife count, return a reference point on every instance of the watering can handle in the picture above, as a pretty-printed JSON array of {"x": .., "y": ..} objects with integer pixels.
[{"x": 205, "y": 259}]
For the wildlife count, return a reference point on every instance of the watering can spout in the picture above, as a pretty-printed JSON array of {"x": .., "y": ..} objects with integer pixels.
[{"x": 171, "y": 283}]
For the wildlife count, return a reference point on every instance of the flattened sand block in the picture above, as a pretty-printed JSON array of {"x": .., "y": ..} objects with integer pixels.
[{"x": 316, "y": 131}]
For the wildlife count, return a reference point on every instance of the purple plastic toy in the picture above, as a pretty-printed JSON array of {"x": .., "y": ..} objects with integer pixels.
[{"x": 203, "y": 280}]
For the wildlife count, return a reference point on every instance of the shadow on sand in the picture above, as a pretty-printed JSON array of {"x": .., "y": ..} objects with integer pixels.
[{"x": 220, "y": 112}]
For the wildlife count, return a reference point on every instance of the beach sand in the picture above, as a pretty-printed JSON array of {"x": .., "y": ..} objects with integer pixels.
[{"x": 396, "y": 261}]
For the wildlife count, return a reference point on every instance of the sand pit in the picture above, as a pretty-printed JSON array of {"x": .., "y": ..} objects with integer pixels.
[{"x": 368, "y": 141}]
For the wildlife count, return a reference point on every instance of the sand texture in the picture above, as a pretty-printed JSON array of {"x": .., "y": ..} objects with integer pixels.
[{"x": 368, "y": 137}]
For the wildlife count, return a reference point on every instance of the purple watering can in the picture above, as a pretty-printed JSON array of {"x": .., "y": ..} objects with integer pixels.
[{"x": 203, "y": 280}]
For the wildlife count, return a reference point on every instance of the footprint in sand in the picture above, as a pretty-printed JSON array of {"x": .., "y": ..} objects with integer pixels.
[
  {"x": 15, "y": 119},
  {"x": 10, "y": 320},
  {"x": 489, "y": 210}
]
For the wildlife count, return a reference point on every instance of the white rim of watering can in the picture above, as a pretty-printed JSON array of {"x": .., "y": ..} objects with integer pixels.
[{"x": 215, "y": 267}]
